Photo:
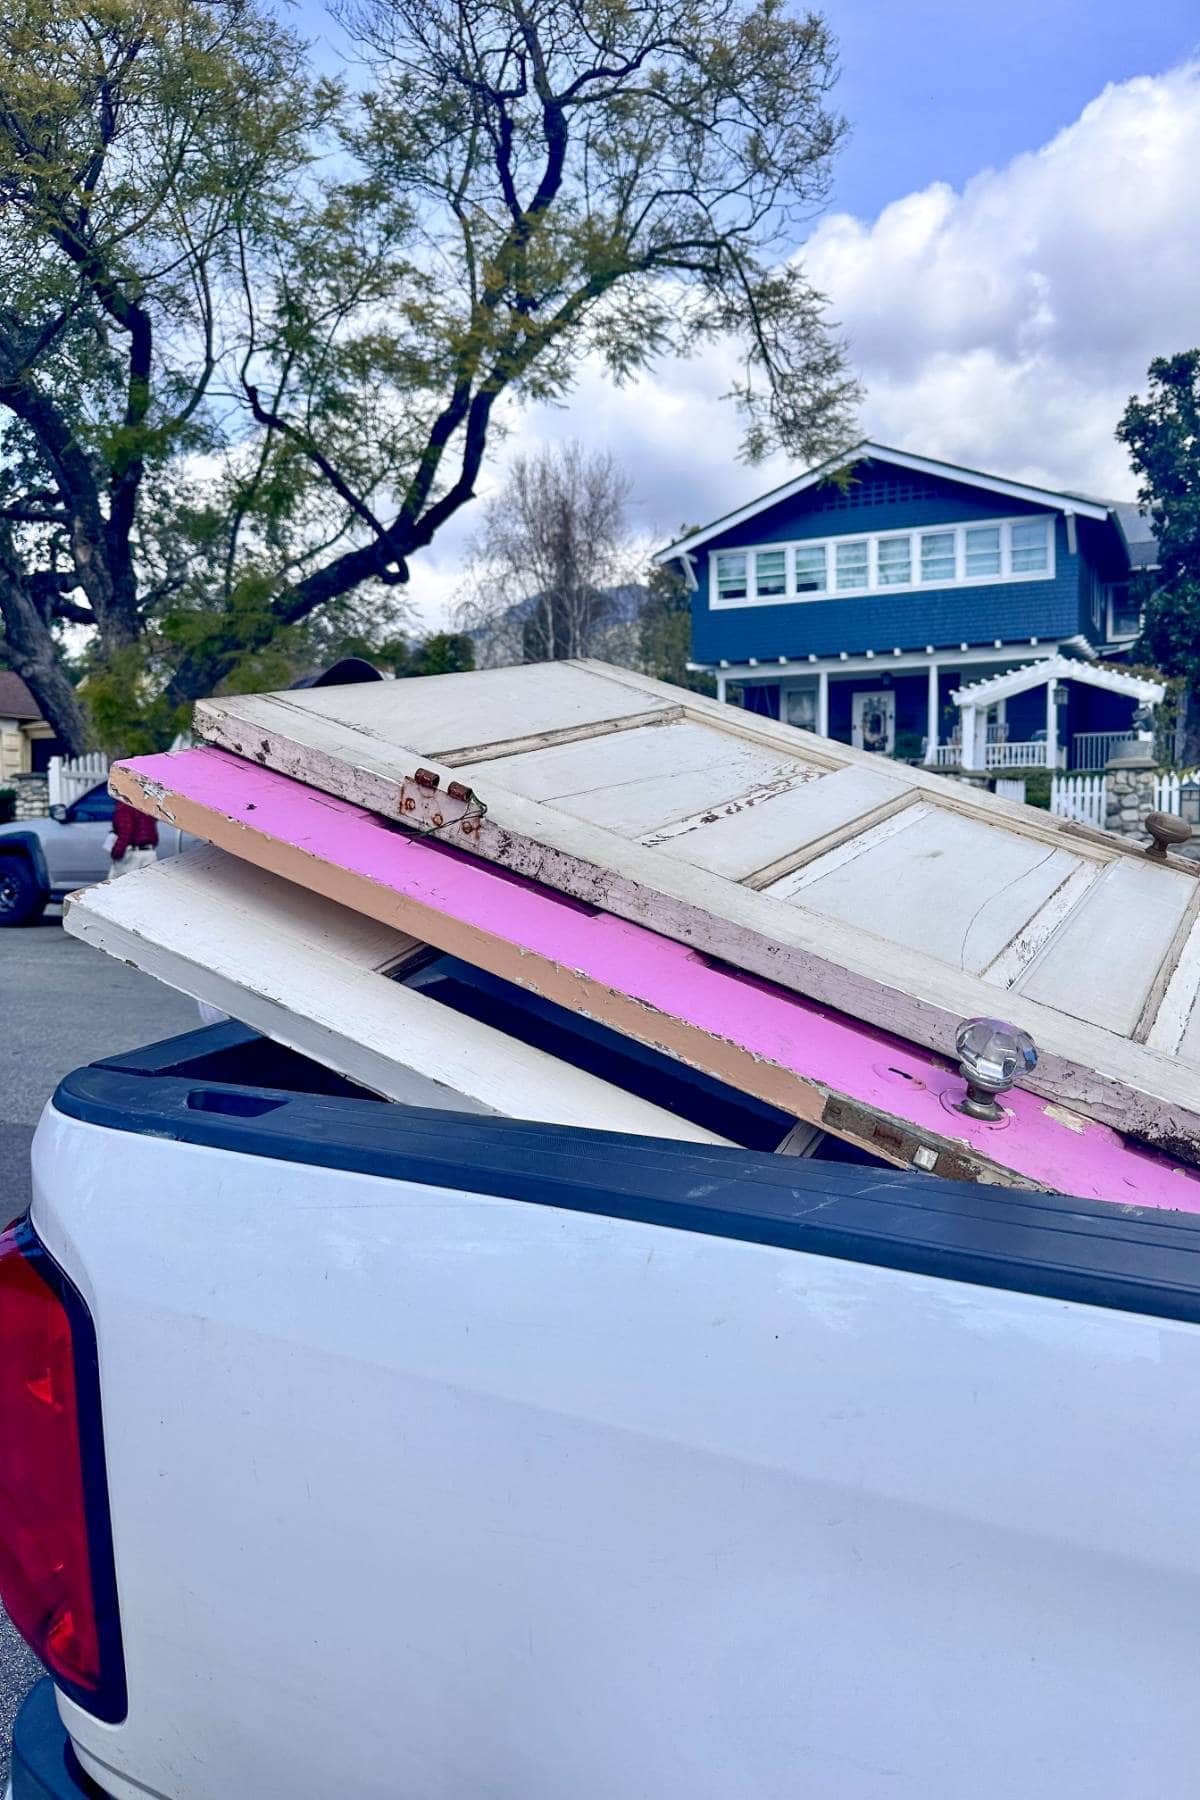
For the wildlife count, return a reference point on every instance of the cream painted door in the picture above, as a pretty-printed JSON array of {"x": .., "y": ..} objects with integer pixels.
[{"x": 885, "y": 891}]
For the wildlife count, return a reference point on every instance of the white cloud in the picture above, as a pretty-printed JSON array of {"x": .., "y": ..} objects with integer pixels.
[
  {"x": 1007, "y": 325},
  {"x": 1004, "y": 326}
]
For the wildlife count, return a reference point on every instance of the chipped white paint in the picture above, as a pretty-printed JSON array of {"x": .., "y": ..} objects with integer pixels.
[
  {"x": 909, "y": 912},
  {"x": 1032, "y": 937}
]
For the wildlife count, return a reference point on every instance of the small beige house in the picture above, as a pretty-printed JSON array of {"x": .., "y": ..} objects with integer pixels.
[{"x": 27, "y": 740}]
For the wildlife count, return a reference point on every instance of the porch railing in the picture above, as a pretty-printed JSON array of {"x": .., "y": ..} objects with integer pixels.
[
  {"x": 1016, "y": 756},
  {"x": 998, "y": 755},
  {"x": 948, "y": 756},
  {"x": 1092, "y": 749}
]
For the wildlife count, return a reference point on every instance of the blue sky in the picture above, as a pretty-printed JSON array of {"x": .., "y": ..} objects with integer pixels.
[
  {"x": 1013, "y": 233},
  {"x": 937, "y": 90}
]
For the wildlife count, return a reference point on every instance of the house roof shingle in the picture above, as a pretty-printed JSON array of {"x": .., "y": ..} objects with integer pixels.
[
  {"x": 1137, "y": 529},
  {"x": 16, "y": 701}
]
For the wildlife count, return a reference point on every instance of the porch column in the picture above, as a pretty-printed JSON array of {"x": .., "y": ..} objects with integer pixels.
[
  {"x": 721, "y": 689},
  {"x": 931, "y": 728},
  {"x": 971, "y": 758},
  {"x": 823, "y": 703},
  {"x": 1051, "y": 728}
]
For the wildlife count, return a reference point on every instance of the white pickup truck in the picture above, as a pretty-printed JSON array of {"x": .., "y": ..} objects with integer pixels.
[{"x": 350, "y": 1449}]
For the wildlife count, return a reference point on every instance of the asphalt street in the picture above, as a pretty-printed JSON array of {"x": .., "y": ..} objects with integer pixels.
[{"x": 61, "y": 1004}]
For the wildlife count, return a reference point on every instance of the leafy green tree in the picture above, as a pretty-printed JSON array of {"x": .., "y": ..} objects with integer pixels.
[
  {"x": 246, "y": 379},
  {"x": 441, "y": 653},
  {"x": 141, "y": 145},
  {"x": 445, "y": 653},
  {"x": 1162, "y": 433},
  {"x": 537, "y": 182}
]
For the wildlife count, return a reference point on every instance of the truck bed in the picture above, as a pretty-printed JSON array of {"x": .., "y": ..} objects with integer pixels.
[{"x": 453, "y": 1456}]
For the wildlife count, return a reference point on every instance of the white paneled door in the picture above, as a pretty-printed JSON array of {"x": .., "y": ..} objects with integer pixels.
[{"x": 886, "y": 891}]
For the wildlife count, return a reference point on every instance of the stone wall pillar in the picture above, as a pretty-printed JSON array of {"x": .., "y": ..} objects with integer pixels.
[
  {"x": 1128, "y": 797},
  {"x": 33, "y": 795}
]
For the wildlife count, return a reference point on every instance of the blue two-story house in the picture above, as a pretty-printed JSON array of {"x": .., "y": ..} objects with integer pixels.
[{"x": 862, "y": 598}]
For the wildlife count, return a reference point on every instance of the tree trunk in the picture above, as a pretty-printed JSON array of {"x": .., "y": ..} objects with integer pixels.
[{"x": 34, "y": 654}]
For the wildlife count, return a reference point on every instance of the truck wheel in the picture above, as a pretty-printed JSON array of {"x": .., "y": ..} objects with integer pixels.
[{"x": 21, "y": 900}]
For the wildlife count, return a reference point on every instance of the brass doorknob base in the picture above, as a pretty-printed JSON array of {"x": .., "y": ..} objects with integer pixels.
[{"x": 1167, "y": 830}]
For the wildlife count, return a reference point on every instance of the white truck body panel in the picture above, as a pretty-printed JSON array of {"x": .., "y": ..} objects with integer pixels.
[{"x": 424, "y": 1494}]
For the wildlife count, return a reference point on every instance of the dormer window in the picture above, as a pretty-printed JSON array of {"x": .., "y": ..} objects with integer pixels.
[
  {"x": 853, "y": 561},
  {"x": 937, "y": 556},
  {"x": 770, "y": 574},
  {"x": 941, "y": 556},
  {"x": 811, "y": 577},
  {"x": 981, "y": 551},
  {"x": 895, "y": 561}
]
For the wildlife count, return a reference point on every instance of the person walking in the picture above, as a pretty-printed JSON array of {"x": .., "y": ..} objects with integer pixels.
[{"x": 135, "y": 840}]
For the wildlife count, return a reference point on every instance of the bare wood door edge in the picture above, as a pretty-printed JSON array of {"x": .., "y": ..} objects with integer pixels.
[
  {"x": 895, "y": 1136},
  {"x": 1083, "y": 1066},
  {"x": 850, "y": 1079}
]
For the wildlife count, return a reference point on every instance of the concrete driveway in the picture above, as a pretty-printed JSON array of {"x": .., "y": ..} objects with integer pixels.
[{"x": 61, "y": 1004}]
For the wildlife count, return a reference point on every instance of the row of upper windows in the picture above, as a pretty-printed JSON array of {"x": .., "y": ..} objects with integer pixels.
[{"x": 945, "y": 556}]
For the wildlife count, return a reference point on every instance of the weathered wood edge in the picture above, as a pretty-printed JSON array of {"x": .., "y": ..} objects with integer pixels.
[
  {"x": 516, "y": 952},
  {"x": 1081, "y": 1066},
  {"x": 892, "y": 1136},
  {"x": 514, "y": 1075}
]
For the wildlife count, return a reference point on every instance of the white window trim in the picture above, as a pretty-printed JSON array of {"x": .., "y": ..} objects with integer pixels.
[{"x": 873, "y": 539}]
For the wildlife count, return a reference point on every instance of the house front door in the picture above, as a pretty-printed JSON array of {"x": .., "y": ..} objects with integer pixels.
[{"x": 873, "y": 721}]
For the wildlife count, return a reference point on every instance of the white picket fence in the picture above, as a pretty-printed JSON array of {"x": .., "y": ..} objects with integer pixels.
[
  {"x": 1078, "y": 797},
  {"x": 70, "y": 776},
  {"x": 1081, "y": 797},
  {"x": 1167, "y": 786}
]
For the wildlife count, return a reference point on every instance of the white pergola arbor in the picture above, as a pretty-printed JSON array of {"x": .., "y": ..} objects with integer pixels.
[{"x": 975, "y": 700}]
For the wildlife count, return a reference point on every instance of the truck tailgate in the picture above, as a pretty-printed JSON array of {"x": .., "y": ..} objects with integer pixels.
[{"x": 452, "y": 1457}]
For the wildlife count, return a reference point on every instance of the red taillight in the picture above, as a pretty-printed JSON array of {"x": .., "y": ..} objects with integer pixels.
[{"x": 56, "y": 1576}]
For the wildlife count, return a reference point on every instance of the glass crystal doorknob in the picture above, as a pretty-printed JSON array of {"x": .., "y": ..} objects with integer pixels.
[{"x": 991, "y": 1056}]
